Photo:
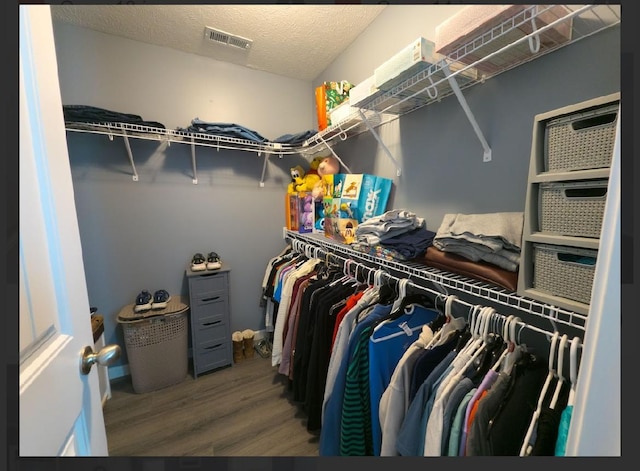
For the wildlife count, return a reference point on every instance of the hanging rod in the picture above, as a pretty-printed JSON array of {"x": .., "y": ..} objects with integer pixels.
[
  {"x": 415, "y": 271},
  {"x": 314, "y": 251}
]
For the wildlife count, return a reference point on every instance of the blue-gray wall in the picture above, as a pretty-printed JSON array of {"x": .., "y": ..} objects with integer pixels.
[{"x": 142, "y": 234}]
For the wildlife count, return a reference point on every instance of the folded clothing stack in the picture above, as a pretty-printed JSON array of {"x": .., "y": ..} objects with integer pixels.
[
  {"x": 95, "y": 115},
  {"x": 397, "y": 234},
  {"x": 492, "y": 237}
]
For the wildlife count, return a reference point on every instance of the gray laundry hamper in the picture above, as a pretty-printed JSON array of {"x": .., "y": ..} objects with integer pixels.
[{"x": 157, "y": 345}]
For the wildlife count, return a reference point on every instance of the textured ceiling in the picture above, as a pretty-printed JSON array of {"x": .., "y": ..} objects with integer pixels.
[{"x": 297, "y": 41}]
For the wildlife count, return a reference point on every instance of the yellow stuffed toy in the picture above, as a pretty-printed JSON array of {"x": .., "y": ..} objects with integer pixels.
[
  {"x": 297, "y": 173},
  {"x": 301, "y": 181}
]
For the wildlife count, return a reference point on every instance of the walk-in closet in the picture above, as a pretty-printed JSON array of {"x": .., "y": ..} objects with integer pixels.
[{"x": 177, "y": 158}]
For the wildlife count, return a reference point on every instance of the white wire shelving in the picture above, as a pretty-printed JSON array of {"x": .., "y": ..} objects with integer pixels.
[
  {"x": 445, "y": 281},
  {"x": 519, "y": 39}
]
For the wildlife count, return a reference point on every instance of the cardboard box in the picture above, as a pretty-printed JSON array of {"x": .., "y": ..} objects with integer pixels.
[
  {"x": 306, "y": 212},
  {"x": 405, "y": 64},
  {"x": 473, "y": 22},
  {"x": 291, "y": 211},
  {"x": 353, "y": 199}
]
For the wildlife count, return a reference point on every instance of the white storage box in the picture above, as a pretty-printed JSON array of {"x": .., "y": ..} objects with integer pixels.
[
  {"x": 342, "y": 112},
  {"x": 362, "y": 92},
  {"x": 409, "y": 61}
]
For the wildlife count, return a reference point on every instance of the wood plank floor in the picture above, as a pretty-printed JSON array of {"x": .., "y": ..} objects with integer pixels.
[{"x": 242, "y": 410}]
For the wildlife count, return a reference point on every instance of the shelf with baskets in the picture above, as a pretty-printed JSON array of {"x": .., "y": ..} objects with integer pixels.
[
  {"x": 571, "y": 154},
  {"x": 523, "y": 37}
]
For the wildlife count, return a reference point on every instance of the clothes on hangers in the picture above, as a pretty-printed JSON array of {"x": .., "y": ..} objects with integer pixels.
[
  {"x": 376, "y": 379},
  {"x": 394, "y": 401},
  {"x": 504, "y": 412},
  {"x": 332, "y": 435},
  {"x": 387, "y": 344}
]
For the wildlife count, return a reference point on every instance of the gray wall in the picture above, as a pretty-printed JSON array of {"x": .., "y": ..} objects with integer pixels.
[{"x": 142, "y": 234}]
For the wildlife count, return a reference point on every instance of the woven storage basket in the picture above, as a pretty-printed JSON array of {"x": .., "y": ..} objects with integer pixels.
[
  {"x": 157, "y": 349},
  {"x": 572, "y": 209},
  {"x": 581, "y": 141},
  {"x": 564, "y": 271}
]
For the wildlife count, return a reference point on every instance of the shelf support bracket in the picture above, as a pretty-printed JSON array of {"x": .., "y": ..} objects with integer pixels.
[
  {"x": 384, "y": 148},
  {"x": 130, "y": 154},
  {"x": 193, "y": 161},
  {"x": 334, "y": 154},
  {"x": 264, "y": 169},
  {"x": 463, "y": 103}
]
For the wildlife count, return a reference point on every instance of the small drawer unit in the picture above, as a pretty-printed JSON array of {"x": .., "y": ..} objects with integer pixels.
[
  {"x": 564, "y": 271},
  {"x": 569, "y": 172},
  {"x": 572, "y": 208},
  {"x": 581, "y": 141},
  {"x": 210, "y": 319}
]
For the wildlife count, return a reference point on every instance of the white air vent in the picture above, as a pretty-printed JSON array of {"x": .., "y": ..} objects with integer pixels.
[{"x": 222, "y": 37}]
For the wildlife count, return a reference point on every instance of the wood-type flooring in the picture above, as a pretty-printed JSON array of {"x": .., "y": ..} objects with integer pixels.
[{"x": 242, "y": 410}]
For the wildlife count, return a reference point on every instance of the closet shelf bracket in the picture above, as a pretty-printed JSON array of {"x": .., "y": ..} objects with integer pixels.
[
  {"x": 334, "y": 154},
  {"x": 193, "y": 161},
  {"x": 463, "y": 103},
  {"x": 384, "y": 148},
  {"x": 264, "y": 169},
  {"x": 130, "y": 154}
]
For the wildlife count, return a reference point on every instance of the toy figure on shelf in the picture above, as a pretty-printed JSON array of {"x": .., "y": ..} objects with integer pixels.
[{"x": 328, "y": 167}]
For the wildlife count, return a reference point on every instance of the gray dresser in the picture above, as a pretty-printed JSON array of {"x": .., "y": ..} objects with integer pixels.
[{"x": 210, "y": 323}]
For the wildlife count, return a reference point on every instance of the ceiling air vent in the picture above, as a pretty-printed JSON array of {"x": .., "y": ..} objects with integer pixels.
[{"x": 227, "y": 39}]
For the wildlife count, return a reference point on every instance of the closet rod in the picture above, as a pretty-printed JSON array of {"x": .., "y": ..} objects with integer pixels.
[
  {"x": 312, "y": 251},
  {"x": 547, "y": 312}
]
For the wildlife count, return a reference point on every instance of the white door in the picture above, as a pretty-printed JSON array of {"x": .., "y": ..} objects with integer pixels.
[{"x": 60, "y": 408}]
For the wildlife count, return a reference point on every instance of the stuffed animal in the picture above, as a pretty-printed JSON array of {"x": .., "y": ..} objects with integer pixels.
[
  {"x": 328, "y": 166},
  {"x": 297, "y": 174}
]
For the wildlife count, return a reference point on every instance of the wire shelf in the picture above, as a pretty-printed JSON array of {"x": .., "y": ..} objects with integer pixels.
[
  {"x": 504, "y": 47},
  {"x": 421, "y": 273}
]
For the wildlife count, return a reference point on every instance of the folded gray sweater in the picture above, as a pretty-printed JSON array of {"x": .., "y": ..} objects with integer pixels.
[{"x": 493, "y": 237}]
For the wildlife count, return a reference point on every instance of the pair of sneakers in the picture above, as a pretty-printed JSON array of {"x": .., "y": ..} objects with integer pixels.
[
  {"x": 199, "y": 263},
  {"x": 145, "y": 301}
]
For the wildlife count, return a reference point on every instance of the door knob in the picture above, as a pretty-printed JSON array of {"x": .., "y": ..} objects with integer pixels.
[{"x": 104, "y": 357}]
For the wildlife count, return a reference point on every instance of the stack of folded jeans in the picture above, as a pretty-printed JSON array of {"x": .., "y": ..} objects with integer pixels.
[
  {"x": 92, "y": 114},
  {"x": 223, "y": 129}
]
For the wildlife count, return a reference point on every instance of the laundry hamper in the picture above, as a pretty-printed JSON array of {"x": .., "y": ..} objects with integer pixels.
[{"x": 157, "y": 345}]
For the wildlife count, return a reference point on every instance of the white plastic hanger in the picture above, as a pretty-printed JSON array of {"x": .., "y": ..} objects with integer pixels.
[
  {"x": 508, "y": 340},
  {"x": 442, "y": 334},
  {"x": 560, "y": 383},
  {"x": 525, "y": 449},
  {"x": 486, "y": 316},
  {"x": 402, "y": 291},
  {"x": 573, "y": 369}
]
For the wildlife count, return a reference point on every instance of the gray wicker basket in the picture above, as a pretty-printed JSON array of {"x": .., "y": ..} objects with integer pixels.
[
  {"x": 572, "y": 208},
  {"x": 157, "y": 348},
  {"x": 581, "y": 141},
  {"x": 564, "y": 271}
]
